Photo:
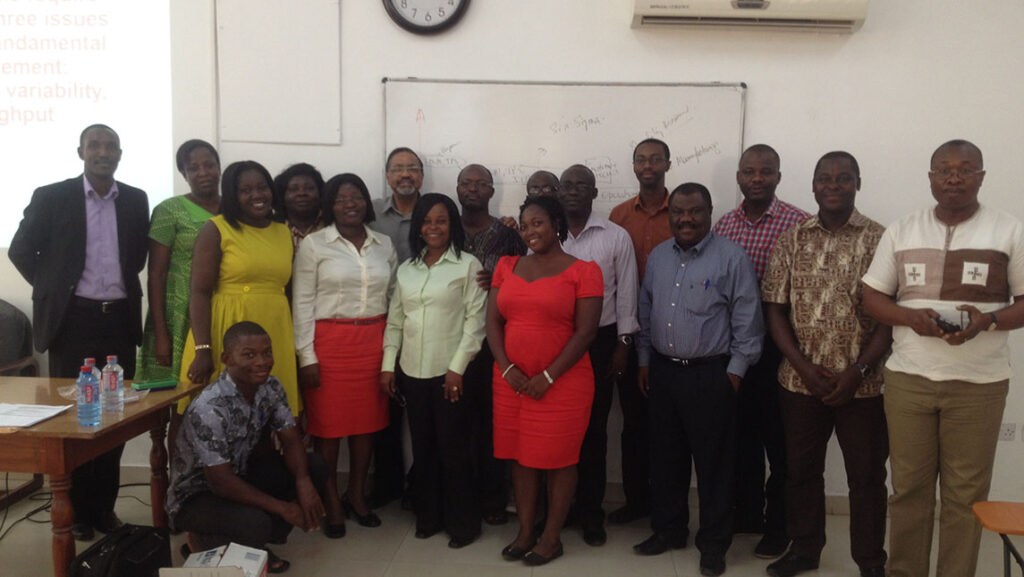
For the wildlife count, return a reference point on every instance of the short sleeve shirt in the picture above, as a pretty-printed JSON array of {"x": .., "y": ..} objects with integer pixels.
[
  {"x": 221, "y": 426},
  {"x": 817, "y": 273},
  {"x": 925, "y": 263}
]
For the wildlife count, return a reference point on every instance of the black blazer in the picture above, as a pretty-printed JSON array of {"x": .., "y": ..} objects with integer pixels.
[{"x": 49, "y": 251}]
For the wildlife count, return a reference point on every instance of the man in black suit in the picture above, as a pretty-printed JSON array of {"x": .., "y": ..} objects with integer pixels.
[{"x": 81, "y": 245}]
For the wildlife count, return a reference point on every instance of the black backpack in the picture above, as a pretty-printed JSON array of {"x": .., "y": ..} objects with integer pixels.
[{"x": 131, "y": 551}]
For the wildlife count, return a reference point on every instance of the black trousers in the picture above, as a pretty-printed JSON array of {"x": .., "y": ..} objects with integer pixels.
[
  {"x": 215, "y": 521},
  {"x": 388, "y": 460},
  {"x": 593, "y": 464},
  {"x": 88, "y": 331},
  {"x": 761, "y": 505},
  {"x": 491, "y": 474},
  {"x": 442, "y": 447},
  {"x": 863, "y": 438},
  {"x": 693, "y": 417}
]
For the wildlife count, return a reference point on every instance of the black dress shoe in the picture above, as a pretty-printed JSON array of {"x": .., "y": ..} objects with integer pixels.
[
  {"x": 794, "y": 564},
  {"x": 513, "y": 553},
  {"x": 595, "y": 536},
  {"x": 334, "y": 530},
  {"x": 82, "y": 532},
  {"x": 368, "y": 520},
  {"x": 873, "y": 572},
  {"x": 712, "y": 566},
  {"x": 626, "y": 514},
  {"x": 658, "y": 543},
  {"x": 426, "y": 534},
  {"x": 535, "y": 559},
  {"x": 108, "y": 522},
  {"x": 771, "y": 546},
  {"x": 457, "y": 543}
]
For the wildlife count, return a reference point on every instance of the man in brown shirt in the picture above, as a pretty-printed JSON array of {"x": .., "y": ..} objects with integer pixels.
[
  {"x": 645, "y": 218},
  {"x": 829, "y": 377}
]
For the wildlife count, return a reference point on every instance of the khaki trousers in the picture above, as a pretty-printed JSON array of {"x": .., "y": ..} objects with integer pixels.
[{"x": 948, "y": 430}]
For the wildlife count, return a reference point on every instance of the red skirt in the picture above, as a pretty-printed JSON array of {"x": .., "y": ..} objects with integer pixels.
[{"x": 349, "y": 400}]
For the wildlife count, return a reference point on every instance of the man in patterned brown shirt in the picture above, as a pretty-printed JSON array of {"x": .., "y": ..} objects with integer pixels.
[{"x": 829, "y": 378}]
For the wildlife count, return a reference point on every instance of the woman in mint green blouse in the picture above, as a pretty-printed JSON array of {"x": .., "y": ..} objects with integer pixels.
[{"x": 172, "y": 232}]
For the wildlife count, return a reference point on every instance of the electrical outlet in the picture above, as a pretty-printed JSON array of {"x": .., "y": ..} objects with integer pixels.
[{"x": 1008, "y": 432}]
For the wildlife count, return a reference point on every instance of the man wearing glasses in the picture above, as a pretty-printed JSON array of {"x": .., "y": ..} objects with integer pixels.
[
  {"x": 645, "y": 218},
  {"x": 542, "y": 182},
  {"x": 945, "y": 388},
  {"x": 404, "y": 173},
  {"x": 755, "y": 225},
  {"x": 595, "y": 238}
]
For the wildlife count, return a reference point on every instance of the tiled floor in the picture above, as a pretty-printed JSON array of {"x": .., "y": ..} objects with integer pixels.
[{"x": 391, "y": 550}]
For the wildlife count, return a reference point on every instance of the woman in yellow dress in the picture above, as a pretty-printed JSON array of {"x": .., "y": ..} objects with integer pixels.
[{"x": 241, "y": 263}]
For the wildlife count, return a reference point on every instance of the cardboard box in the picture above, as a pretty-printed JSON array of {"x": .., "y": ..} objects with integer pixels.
[{"x": 232, "y": 560}]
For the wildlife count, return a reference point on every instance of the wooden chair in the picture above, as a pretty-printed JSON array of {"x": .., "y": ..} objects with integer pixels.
[
  {"x": 26, "y": 367},
  {"x": 1005, "y": 518}
]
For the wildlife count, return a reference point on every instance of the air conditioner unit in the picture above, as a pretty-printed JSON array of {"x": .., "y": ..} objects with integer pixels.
[{"x": 802, "y": 15}]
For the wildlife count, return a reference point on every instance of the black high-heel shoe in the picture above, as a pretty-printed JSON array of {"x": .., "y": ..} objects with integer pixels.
[{"x": 368, "y": 520}]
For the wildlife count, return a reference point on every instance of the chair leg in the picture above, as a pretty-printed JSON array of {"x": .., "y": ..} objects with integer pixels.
[{"x": 1009, "y": 549}]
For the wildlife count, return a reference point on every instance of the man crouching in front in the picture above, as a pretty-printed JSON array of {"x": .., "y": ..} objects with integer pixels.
[{"x": 222, "y": 489}]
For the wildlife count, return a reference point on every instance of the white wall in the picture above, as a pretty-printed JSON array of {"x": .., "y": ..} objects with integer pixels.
[{"x": 918, "y": 73}]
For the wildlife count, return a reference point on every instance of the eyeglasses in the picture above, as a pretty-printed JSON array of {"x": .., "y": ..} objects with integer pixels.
[
  {"x": 577, "y": 186},
  {"x": 842, "y": 180},
  {"x": 400, "y": 169},
  {"x": 546, "y": 189},
  {"x": 475, "y": 184},
  {"x": 653, "y": 160},
  {"x": 946, "y": 173}
]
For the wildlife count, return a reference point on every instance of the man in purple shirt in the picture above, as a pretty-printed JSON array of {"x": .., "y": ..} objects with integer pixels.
[{"x": 81, "y": 245}]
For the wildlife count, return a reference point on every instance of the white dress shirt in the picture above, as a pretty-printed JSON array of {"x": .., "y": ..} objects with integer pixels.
[
  {"x": 609, "y": 245},
  {"x": 334, "y": 280}
]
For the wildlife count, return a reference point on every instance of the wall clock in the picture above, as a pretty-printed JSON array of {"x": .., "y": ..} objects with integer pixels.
[{"x": 426, "y": 16}]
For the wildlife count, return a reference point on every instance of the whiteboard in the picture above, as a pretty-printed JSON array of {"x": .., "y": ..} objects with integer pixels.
[{"x": 516, "y": 128}]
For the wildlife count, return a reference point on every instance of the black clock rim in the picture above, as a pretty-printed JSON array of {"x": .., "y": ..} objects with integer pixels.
[{"x": 396, "y": 16}]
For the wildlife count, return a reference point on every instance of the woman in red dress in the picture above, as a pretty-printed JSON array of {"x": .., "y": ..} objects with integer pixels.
[{"x": 542, "y": 314}]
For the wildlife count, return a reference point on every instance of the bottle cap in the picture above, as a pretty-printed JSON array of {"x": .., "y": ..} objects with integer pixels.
[
  {"x": 111, "y": 358},
  {"x": 86, "y": 369},
  {"x": 90, "y": 361}
]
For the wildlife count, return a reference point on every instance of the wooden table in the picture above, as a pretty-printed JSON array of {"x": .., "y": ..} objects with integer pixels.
[{"x": 58, "y": 445}]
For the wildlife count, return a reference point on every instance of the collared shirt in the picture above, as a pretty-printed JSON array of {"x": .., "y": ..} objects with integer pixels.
[
  {"x": 394, "y": 224},
  {"x": 494, "y": 242},
  {"x": 647, "y": 230},
  {"x": 219, "y": 427},
  {"x": 925, "y": 263},
  {"x": 817, "y": 273},
  {"x": 335, "y": 280},
  {"x": 300, "y": 233},
  {"x": 608, "y": 245},
  {"x": 436, "y": 316},
  {"x": 701, "y": 302},
  {"x": 101, "y": 277},
  {"x": 757, "y": 237}
]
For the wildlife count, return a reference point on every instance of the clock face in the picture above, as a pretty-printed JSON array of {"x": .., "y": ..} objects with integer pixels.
[{"x": 426, "y": 16}]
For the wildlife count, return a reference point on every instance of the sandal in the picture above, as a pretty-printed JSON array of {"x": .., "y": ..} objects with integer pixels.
[{"x": 276, "y": 564}]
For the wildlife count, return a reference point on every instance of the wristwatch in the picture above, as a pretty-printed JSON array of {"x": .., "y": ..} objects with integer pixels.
[
  {"x": 864, "y": 368},
  {"x": 626, "y": 340},
  {"x": 994, "y": 323}
]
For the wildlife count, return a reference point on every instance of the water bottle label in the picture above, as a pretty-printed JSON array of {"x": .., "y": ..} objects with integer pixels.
[
  {"x": 112, "y": 382},
  {"x": 90, "y": 394}
]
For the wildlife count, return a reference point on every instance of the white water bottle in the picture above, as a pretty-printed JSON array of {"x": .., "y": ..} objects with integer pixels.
[
  {"x": 88, "y": 398},
  {"x": 91, "y": 362},
  {"x": 113, "y": 386}
]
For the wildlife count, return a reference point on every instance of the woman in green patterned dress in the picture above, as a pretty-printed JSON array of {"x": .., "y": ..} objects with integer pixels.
[{"x": 172, "y": 232}]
